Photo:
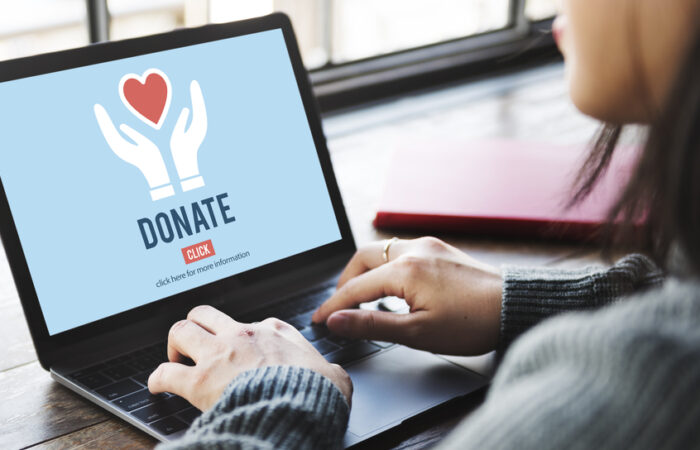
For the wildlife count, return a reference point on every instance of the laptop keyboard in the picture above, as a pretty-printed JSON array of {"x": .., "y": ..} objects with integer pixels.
[
  {"x": 298, "y": 311},
  {"x": 123, "y": 380}
]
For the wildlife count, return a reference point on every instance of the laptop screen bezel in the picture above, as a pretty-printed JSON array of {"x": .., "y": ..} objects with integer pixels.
[{"x": 46, "y": 345}]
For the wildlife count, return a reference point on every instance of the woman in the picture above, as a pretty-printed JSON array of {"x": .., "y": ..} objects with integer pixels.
[{"x": 627, "y": 375}]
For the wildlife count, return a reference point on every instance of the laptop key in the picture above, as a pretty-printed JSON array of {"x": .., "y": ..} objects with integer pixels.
[
  {"x": 138, "y": 399},
  {"x": 94, "y": 380},
  {"x": 161, "y": 409},
  {"x": 87, "y": 371},
  {"x": 342, "y": 341},
  {"x": 169, "y": 425},
  {"x": 120, "y": 371},
  {"x": 119, "y": 389},
  {"x": 143, "y": 377},
  {"x": 296, "y": 323},
  {"x": 314, "y": 332},
  {"x": 323, "y": 346},
  {"x": 301, "y": 321},
  {"x": 351, "y": 353},
  {"x": 310, "y": 302},
  {"x": 143, "y": 363},
  {"x": 189, "y": 415}
]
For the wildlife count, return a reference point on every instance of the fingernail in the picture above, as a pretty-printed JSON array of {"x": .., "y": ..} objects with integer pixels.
[{"x": 340, "y": 322}]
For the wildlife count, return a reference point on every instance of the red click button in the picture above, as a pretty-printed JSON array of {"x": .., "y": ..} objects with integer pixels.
[{"x": 196, "y": 252}]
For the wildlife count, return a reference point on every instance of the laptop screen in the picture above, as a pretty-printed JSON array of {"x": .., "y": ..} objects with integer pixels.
[{"x": 136, "y": 179}]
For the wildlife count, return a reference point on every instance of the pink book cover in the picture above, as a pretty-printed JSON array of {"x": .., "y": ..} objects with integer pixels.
[{"x": 497, "y": 187}]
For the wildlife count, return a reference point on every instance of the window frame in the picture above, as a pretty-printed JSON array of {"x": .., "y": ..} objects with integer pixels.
[{"x": 337, "y": 86}]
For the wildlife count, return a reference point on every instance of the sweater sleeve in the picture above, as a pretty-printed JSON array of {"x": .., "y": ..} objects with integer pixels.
[
  {"x": 271, "y": 408},
  {"x": 531, "y": 295},
  {"x": 626, "y": 376}
]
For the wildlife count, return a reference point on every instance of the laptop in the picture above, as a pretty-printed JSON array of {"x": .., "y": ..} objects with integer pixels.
[{"x": 144, "y": 177}]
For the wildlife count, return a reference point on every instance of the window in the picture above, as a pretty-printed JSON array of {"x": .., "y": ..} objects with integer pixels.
[
  {"x": 373, "y": 46},
  {"x": 540, "y": 9},
  {"x": 131, "y": 18},
  {"x": 29, "y": 27},
  {"x": 329, "y": 31},
  {"x": 365, "y": 28}
]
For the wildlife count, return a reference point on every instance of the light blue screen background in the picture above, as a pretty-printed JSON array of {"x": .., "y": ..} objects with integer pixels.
[{"x": 75, "y": 203}]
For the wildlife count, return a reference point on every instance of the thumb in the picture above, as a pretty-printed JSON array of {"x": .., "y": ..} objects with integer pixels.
[
  {"x": 134, "y": 135},
  {"x": 179, "y": 129},
  {"x": 376, "y": 325}
]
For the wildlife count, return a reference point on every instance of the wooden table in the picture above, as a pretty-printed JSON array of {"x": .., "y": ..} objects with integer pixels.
[{"x": 37, "y": 412}]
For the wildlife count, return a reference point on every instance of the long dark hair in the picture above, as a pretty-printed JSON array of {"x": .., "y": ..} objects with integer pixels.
[{"x": 664, "y": 191}]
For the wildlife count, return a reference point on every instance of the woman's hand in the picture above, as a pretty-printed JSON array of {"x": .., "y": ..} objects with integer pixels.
[
  {"x": 223, "y": 348},
  {"x": 455, "y": 300}
]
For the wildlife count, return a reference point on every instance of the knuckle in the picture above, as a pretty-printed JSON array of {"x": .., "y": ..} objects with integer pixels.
[
  {"x": 275, "y": 323},
  {"x": 199, "y": 309},
  {"x": 412, "y": 331},
  {"x": 432, "y": 243},
  {"x": 410, "y": 264},
  {"x": 177, "y": 326},
  {"x": 246, "y": 332},
  {"x": 371, "y": 322}
]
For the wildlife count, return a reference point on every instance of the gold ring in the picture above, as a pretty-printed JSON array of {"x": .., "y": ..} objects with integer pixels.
[{"x": 385, "y": 253}]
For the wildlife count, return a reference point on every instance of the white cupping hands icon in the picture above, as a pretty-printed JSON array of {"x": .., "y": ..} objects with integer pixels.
[
  {"x": 148, "y": 97},
  {"x": 184, "y": 144},
  {"x": 143, "y": 154}
]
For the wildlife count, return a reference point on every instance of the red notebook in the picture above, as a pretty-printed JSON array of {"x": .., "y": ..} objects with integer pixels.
[{"x": 502, "y": 187}]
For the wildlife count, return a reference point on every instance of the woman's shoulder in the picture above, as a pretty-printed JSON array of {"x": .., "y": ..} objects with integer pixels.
[
  {"x": 659, "y": 323},
  {"x": 625, "y": 376},
  {"x": 675, "y": 302}
]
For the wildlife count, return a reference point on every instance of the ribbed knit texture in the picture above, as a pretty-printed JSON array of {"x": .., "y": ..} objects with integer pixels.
[
  {"x": 625, "y": 376},
  {"x": 271, "y": 408},
  {"x": 531, "y": 295}
]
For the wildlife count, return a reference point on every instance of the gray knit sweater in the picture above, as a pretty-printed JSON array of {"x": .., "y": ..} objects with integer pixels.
[{"x": 626, "y": 375}]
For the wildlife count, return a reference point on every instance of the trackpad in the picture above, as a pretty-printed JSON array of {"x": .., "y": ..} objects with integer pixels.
[{"x": 401, "y": 383}]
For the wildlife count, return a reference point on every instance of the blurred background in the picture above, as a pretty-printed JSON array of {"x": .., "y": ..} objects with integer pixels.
[{"x": 330, "y": 32}]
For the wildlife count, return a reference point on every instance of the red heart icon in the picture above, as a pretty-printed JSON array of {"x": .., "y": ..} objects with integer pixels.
[{"x": 147, "y": 96}]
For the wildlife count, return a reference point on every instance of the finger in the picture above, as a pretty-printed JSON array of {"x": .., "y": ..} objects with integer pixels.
[
  {"x": 211, "y": 319},
  {"x": 199, "y": 110},
  {"x": 370, "y": 257},
  {"x": 364, "y": 259},
  {"x": 377, "y": 283},
  {"x": 170, "y": 377},
  {"x": 186, "y": 338},
  {"x": 109, "y": 131},
  {"x": 134, "y": 135},
  {"x": 376, "y": 325}
]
